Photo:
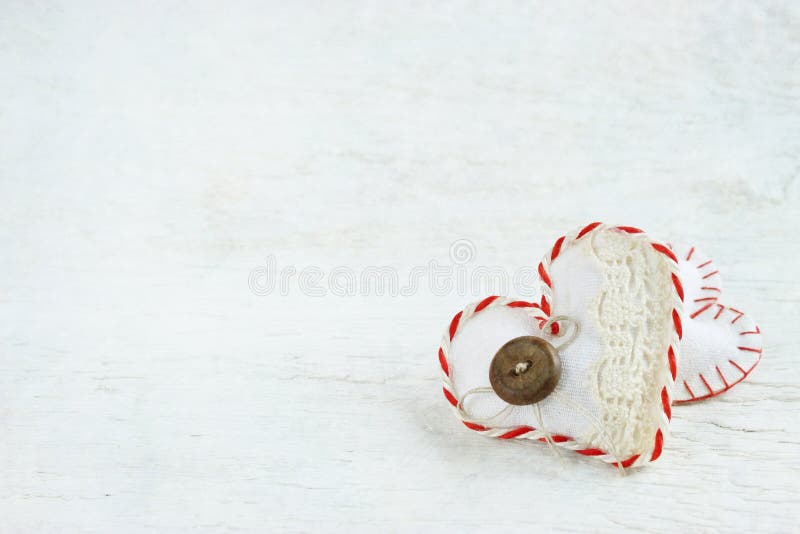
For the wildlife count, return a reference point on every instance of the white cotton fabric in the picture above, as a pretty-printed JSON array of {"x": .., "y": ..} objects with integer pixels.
[{"x": 708, "y": 348}]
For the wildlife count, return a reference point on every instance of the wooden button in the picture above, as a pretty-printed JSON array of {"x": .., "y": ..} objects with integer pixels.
[{"x": 525, "y": 370}]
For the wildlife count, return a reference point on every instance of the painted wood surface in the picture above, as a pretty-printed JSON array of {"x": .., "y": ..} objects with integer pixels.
[{"x": 160, "y": 159}]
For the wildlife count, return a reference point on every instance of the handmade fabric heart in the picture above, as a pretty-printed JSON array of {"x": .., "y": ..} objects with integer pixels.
[
  {"x": 602, "y": 343},
  {"x": 721, "y": 345}
]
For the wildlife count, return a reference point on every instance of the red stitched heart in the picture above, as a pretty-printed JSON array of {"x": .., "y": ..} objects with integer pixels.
[{"x": 721, "y": 345}]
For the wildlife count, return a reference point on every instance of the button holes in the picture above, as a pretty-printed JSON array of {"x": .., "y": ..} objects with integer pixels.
[{"x": 522, "y": 367}]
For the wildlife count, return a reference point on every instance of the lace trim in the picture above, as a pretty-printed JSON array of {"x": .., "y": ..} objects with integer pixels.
[{"x": 629, "y": 314}]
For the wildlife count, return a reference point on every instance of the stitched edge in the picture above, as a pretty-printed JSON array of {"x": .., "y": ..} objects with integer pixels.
[
  {"x": 736, "y": 372},
  {"x": 541, "y": 314},
  {"x": 711, "y": 280}
]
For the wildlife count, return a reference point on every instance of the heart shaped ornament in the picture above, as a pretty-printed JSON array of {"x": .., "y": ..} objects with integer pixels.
[
  {"x": 602, "y": 345},
  {"x": 721, "y": 345}
]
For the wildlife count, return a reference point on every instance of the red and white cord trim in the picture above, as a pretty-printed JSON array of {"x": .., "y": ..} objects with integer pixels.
[{"x": 541, "y": 313}]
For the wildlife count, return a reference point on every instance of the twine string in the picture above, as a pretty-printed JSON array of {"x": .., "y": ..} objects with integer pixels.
[{"x": 548, "y": 436}]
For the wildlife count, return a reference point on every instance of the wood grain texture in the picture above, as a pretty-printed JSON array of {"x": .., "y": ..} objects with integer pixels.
[{"x": 154, "y": 153}]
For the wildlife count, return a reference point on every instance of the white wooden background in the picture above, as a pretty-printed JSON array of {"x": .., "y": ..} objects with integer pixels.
[{"x": 152, "y": 154}]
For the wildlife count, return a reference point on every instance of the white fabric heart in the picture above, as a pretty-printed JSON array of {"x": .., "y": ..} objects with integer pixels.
[
  {"x": 721, "y": 345},
  {"x": 622, "y": 290}
]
